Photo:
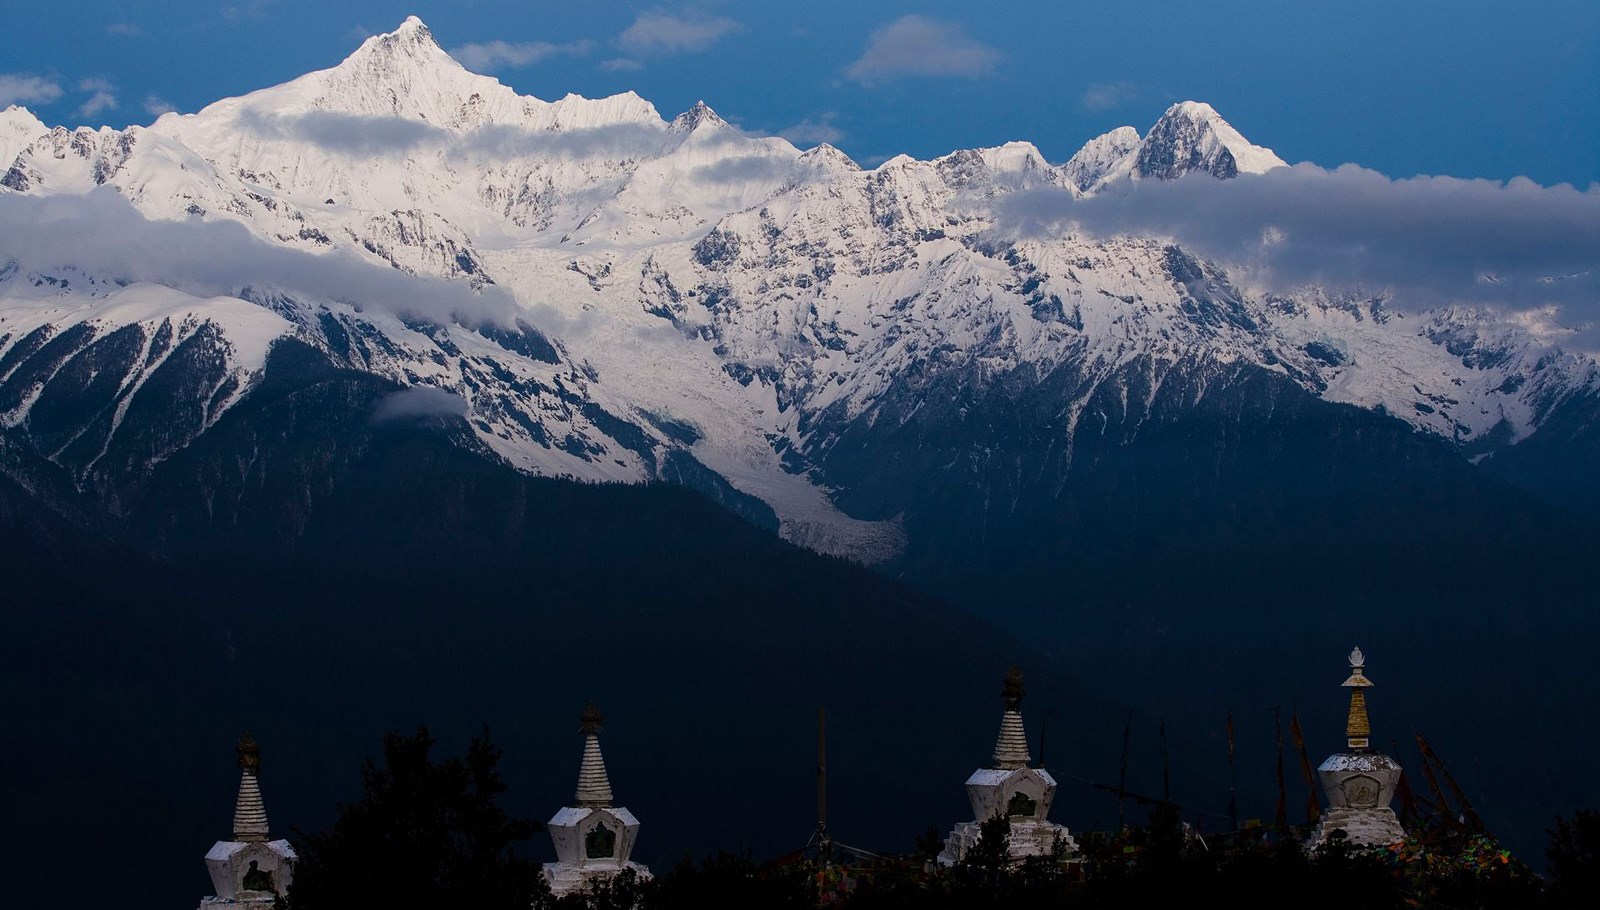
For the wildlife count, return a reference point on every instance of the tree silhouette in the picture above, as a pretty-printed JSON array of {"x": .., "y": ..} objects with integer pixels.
[{"x": 426, "y": 833}]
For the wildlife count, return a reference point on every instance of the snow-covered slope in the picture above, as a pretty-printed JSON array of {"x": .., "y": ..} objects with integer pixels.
[{"x": 684, "y": 296}]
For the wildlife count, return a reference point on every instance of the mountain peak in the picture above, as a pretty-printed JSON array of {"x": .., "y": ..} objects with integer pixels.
[
  {"x": 18, "y": 128},
  {"x": 694, "y": 117},
  {"x": 1191, "y": 136},
  {"x": 1100, "y": 156},
  {"x": 411, "y": 40}
]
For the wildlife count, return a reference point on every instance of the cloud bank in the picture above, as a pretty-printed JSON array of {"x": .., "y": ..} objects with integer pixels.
[
  {"x": 1429, "y": 241},
  {"x": 102, "y": 233},
  {"x": 362, "y": 134},
  {"x": 918, "y": 46}
]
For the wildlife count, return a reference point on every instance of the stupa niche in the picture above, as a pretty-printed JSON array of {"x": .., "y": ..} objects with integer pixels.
[
  {"x": 250, "y": 871},
  {"x": 1012, "y": 788},
  {"x": 1359, "y": 782},
  {"x": 593, "y": 839}
]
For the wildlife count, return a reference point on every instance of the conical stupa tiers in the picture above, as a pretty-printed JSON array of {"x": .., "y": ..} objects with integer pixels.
[
  {"x": 1357, "y": 727},
  {"x": 1011, "y": 749},
  {"x": 594, "y": 786},
  {"x": 249, "y": 813}
]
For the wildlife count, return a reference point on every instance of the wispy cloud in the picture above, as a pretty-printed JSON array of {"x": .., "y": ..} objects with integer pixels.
[
  {"x": 102, "y": 97},
  {"x": 1103, "y": 96},
  {"x": 621, "y": 65},
  {"x": 918, "y": 46},
  {"x": 155, "y": 105},
  {"x": 814, "y": 131},
  {"x": 493, "y": 55},
  {"x": 125, "y": 29},
  {"x": 1429, "y": 241},
  {"x": 247, "y": 10},
  {"x": 20, "y": 88},
  {"x": 657, "y": 31}
]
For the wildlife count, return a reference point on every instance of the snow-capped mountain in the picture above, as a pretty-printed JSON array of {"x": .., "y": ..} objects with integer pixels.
[{"x": 623, "y": 297}]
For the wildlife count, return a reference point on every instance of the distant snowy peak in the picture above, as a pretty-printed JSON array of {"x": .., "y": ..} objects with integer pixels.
[
  {"x": 695, "y": 117},
  {"x": 1100, "y": 156},
  {"x": 405, "y": 74},
  {"x": 18, "y": 129},
  {"x": 1192, "y": 137}
]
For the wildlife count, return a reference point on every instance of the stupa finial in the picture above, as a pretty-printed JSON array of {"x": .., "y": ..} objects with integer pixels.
[
  {"x": 591, "y": 720},
  {"x": 1358, "y": 727},
  {"x": 249, "y": 753},
  {"x": 1012, "y": 690}
]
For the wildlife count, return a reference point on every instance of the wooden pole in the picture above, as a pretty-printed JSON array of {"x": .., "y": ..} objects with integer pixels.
[
  {"x": 1313, "y": 805},
  {"x": 1280, "y": 817}
]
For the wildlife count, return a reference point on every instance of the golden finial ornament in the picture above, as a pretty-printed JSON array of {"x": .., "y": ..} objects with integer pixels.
[
  {"x": 591, "y": 720},
  {"x": 1012, "y": 690},
  {"x": 249, "y": 753},
  {"x": 1357, "y": 727}
]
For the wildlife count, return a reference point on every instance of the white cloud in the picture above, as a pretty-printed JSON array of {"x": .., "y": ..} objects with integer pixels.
[
  {"x": 492, "y": 55},
  {"x": 102, "y": 97},
  {"x": 1429, "y": 241},
  {"x": 103, "y": 233},
  {"x": 19, "y": 88},
  {"x": 1103, "y": 96},
  {"x": 155, "y": 105},
  {"x": 125, "y": 29},
  {"x": 813, "y": 131},
  {"x": 918, "y": 46},
  {"x": 621, "y": 65},
  {"x": 359, "y": 134},
  {"x": 419, "y": 403},
  {"x": 659, "y": 32}
]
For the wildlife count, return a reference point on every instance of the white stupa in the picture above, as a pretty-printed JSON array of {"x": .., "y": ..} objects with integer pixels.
[
  {"x": 593, "y": 839},
  {"x": 250, "y": 871},
  {"x": 1359, "y": 782},
  {"x": 1012, "y": 788}
]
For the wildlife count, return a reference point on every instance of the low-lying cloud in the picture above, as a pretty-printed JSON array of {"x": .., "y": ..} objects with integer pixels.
[
  {"x": 102, "y": 233},
  {"x": 418, "y": 403},
  {"x": 371, "y": 136},
  {"x": 1428, "y": 241}
]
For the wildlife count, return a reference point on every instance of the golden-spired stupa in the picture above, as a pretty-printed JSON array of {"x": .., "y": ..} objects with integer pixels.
[{"x": 1359, "y": 782}]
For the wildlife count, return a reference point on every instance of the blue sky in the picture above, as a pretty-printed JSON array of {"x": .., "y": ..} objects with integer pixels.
[{"x": 1464, "y": 88}]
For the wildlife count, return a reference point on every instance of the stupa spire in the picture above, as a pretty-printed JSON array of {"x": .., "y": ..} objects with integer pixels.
[
  {"x": 1011, "y": 749},
  {"x": 594, "y": 785},
  {"x": 1357, "y": 727},
  {"x": 249, "y": 813}
]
